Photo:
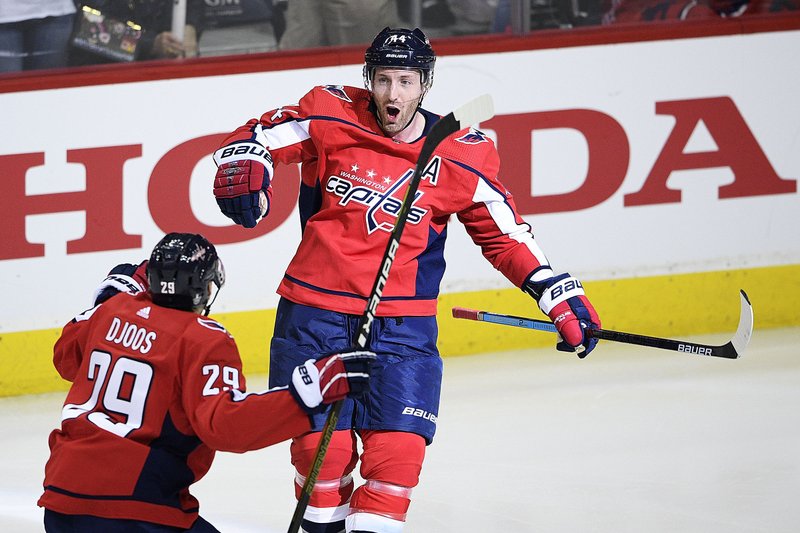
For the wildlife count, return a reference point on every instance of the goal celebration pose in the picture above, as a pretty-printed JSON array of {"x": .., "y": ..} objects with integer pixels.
[
  {"x": 358, "y": 149},
  {"x": 157, "y": 387}
]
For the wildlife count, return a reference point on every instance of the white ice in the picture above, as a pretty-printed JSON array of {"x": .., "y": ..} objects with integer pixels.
[{"x": 628, "y": 440}]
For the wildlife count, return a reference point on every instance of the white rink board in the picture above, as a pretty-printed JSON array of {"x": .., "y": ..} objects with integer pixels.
[{"x": 606, "y": 241}]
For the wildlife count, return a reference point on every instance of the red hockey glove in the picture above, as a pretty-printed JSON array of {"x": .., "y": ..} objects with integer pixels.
[
  {"x": 124, "y": 277},
  {"x": 562, "y": 299},
  {"x": 331, "y": 378},
  {"x": 242, "y": 183}
]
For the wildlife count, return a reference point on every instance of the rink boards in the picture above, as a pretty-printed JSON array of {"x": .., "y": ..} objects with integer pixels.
[{"x": 661, "y": 173}]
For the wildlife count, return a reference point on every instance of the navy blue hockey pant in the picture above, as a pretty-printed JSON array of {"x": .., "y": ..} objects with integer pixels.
[{"x": 406, "y": 378}]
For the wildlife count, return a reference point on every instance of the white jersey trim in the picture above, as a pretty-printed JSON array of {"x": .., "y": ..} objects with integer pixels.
[
  {"x": 503, "y": 217},
  {"x": 239, "y": 396},
  {"x": 86, "y": 315},
  {"x": 286, "y": 133}
]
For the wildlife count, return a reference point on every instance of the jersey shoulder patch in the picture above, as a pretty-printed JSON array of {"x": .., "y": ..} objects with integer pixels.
[
  {"x": 473, "y": 136},
  {"x": 212, "y": 324},
  {"x": 338, "y": 91},
  {"x": 337, "y": 102},
  {"x": 473, "y": 148}
]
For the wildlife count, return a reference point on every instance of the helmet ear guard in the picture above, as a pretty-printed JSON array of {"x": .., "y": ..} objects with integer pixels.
[
  {"x": 400, "y": 48},
  {"x": 184, "y": 272}
]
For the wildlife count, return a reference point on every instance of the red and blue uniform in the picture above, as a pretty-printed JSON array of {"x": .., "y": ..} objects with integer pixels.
[
  {"x": 155, "y": 391},
  {"x": 353, "y": 181}
]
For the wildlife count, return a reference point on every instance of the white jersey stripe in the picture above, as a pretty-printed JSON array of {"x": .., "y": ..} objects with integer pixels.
[
  {"x": 503, "y": 217},
  {"x": 286, "y": 133}
]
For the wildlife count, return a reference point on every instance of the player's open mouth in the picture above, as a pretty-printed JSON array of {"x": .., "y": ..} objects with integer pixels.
[{"x": 392, "y": 112}]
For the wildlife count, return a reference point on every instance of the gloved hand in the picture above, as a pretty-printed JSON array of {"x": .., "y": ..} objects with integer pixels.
[
  {"x": 242, "y": 183},
  {"x": 563, "y": 300},
  {"x": 125, "y": 277},
  {"x": 242, "y": 191},
  {"x": 331, "y": 378}
]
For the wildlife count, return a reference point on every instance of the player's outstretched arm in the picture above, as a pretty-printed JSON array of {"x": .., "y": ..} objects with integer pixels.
[
  {"x": 242, "y": 182},
  {"x": 332, "y": 378},
  {"x": 563, "y": 300},
  {"x": 225, "y": 419}
]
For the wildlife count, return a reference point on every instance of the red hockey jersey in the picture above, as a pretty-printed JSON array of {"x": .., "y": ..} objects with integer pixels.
[
  {"x": 154, "y": 392},
  {"x": 353, "y": 182}
]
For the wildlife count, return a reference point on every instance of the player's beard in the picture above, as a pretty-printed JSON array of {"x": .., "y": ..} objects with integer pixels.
[{"x": 395, "y": 116}]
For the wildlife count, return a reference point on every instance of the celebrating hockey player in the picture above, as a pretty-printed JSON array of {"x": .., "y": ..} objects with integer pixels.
[
  {"x": 358, "y": 149},
  {"x": 157, "y": 387}
]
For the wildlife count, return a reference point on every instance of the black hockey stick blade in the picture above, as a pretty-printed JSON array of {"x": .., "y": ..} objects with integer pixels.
[
  {"x": 733, "y": 349},
  {"x": 474, "y": 111}
]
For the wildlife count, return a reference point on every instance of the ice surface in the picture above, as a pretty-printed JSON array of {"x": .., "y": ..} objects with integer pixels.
[{"x": 630, "y": 439}]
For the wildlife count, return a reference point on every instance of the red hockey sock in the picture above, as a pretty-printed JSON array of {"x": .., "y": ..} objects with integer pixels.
[
  {"x": 334, "y": 484},
  {"x": 391, "y": 464}
]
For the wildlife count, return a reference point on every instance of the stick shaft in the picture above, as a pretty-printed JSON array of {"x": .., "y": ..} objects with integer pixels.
[
  {"x": 322, "y": 449},
  {"x": 731, "y": 350}
]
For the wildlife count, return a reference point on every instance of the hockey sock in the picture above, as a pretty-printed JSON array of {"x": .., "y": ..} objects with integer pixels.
[
  {"x": 329, "y": 502},
  {"x": 391, "y": 464}
]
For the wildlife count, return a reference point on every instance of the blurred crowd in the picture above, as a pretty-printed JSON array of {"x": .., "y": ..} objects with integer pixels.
[{"x": 44, "y": 34}]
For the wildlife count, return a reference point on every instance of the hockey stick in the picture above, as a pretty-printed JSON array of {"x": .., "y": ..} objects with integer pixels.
[
  {"x": 733, "y": 349},
  {"x": 477, "y": 110}
]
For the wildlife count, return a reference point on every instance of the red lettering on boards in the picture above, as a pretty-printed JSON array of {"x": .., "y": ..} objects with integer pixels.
[{"x": 169, "y": 198}]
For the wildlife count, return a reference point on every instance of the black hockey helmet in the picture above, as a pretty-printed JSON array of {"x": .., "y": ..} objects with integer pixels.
[
  {"x": 400, "y": 48},
  {"x": 184, "y": 270}
]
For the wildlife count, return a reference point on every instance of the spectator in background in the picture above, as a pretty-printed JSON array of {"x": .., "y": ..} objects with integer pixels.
[
  {"x": 472, "y": 16},
  {"x": 314, "y": 23},
  {"x": 155, "y": 19},
  {"x": 279, "y": 17},
  {"x": 433, "y": 14},
  {"x": 34, "y": 34},
  {"x": 621, "y": 11},
  {"x": 442, "y": 18},
  {"x": 241, "y": 27}
]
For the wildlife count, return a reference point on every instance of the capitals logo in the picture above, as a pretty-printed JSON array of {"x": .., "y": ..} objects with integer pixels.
[
  {"x": 473, "y": 136},
  {"x": 338, "y": 92},
  {"x": 383, "y": 206}
]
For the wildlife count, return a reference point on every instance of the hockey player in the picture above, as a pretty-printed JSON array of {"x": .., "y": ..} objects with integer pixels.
[
  {"x": 156, "y": 388},
  {"x": 358, "y": 148}
]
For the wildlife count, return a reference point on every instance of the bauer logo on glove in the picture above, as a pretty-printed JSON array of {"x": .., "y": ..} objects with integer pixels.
[
  {"x": 331, "y": 379},
  {"x": 564, "y": 301}
]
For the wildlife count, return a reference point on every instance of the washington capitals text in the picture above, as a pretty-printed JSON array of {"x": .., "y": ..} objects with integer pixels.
[{"x": 376, "y": 200}]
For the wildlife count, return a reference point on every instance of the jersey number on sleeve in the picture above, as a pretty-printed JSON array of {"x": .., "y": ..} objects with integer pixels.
[
  {"x": 230, "y": 379},
  {"x": 136, "y": 375}
]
